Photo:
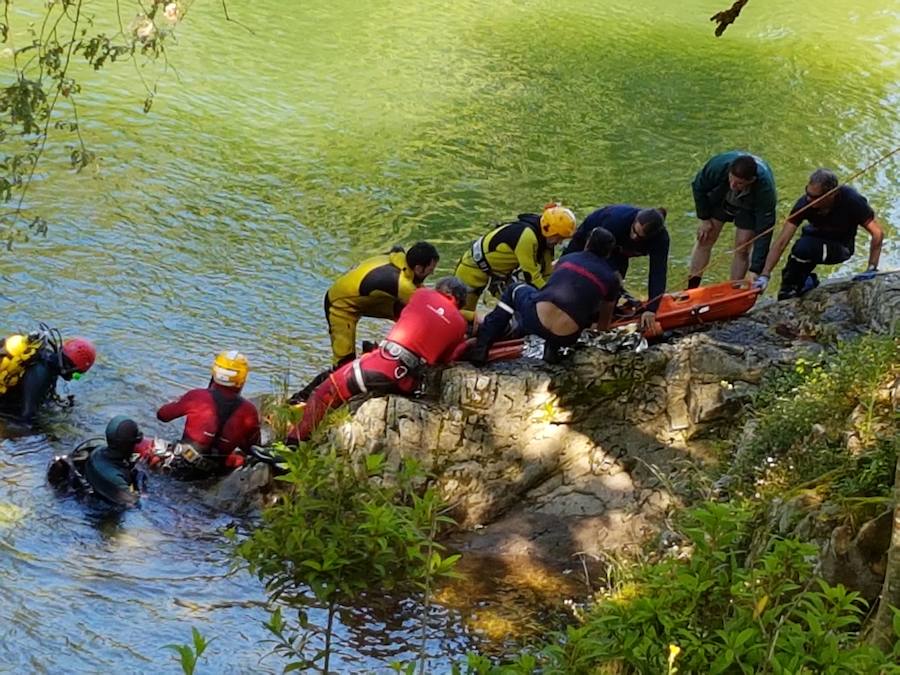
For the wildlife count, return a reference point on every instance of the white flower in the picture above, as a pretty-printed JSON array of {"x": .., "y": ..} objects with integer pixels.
[
  {"x": 144, "y": 28},
  {"x": 170, "y": 11}
]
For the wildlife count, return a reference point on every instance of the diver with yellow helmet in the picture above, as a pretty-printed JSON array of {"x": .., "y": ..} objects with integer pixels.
[
  {"x": 219, "y": 422},
  {"x": 524, "y": 245}
]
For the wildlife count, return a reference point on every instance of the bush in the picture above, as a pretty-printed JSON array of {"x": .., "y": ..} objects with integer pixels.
[
  {"x": 338, "y": 532},
  {"x": 801, "y": 413},
  {"x": 715, "y": 612}
]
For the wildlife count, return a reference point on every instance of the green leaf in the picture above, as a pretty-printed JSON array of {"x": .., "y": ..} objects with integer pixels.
[
  {"x": 374, "y": 462},
  {"x": 200, "y": 643}
]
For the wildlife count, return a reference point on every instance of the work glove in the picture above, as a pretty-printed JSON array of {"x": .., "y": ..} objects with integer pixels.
[
  {"x": 867, "y": 275},
  {"x": 761, "y": 282}
]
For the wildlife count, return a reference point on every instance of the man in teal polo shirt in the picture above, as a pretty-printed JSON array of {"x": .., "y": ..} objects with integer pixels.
[{"x": 733, "y": 187}]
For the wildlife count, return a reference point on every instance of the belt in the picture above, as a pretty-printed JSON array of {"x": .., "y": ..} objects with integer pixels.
[{"x": 396, "y": 351}]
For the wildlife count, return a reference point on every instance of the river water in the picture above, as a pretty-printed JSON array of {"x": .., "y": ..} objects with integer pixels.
[{"x": 281, "y": 150}]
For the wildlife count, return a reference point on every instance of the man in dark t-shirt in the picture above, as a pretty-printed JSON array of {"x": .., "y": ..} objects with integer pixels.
[{"x": 828, "y": 239}]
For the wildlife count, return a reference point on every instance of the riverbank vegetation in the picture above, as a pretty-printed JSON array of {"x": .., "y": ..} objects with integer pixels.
[
  {"x": 342, "y": 534},
  {"x": 736, "y": 586},
  {"x": 52, "y": 52},
  {"x": 737, "y": 593}
]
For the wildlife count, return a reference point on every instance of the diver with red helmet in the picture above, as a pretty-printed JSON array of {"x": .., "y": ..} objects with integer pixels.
[{"x": 30, "y": 366}]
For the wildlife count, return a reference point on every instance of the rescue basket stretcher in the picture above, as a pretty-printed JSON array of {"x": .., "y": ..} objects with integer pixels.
[
  {"x": 716, "y": 302},
  {"x": 500, "y": 351}
]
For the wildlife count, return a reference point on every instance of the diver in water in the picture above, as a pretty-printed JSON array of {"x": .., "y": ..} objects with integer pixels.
[
  {"x": 108, "y": 472},
  {"x": 30, "y": 366},
  {"x": 219, "y": 423}
]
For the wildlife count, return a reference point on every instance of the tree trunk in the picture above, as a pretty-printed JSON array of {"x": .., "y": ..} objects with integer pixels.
[{"x": 881, "y": 632}]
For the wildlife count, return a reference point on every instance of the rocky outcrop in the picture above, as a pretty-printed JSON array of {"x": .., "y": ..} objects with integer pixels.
[{"x": 590, "y": 455}]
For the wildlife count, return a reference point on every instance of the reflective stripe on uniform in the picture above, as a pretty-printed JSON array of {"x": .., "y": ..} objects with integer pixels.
[
  {"x": 479, "y": 257},
  {"x": 358, "y": 376}
]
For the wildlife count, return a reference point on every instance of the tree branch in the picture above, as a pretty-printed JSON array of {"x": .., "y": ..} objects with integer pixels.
[
  {"x": 228, "y": 18},
  {"x": 727, "y": 16},
  {"x": 881, "y": 631}
]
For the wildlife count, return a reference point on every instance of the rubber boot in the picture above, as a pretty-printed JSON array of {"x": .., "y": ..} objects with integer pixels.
[{"x": 302, "y": 395}]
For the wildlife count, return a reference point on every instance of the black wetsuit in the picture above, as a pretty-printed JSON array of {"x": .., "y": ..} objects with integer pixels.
[
  {"x": 23, "y": 401},
  {"x": 113, "y": 477},
  {"x": 618, "y": 219}
]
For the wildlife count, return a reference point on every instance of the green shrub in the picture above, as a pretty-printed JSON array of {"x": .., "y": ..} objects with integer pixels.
[
  {"x": 340, "y": 531},
  {"x": 716, "y": 612},
  {"x": 189, "y": 654},
  {"x": 801, "y": 413}
]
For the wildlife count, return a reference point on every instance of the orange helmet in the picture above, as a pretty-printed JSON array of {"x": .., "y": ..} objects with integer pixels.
[{"x": 230, "y": 369}]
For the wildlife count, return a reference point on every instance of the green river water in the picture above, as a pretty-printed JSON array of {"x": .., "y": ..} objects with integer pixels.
[{"x": 273, "y": 160}]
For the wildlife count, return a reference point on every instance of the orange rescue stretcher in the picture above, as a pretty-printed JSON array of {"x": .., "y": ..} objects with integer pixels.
[
  {"x": 499, "y": 351},
  {"x": 717, "y": 302}
]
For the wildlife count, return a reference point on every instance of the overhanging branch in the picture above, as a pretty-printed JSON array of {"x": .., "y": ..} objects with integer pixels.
[{"x": 727, "y": 16}]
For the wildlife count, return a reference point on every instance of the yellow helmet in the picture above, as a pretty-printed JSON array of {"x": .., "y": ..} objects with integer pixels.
[
  {"x": 230, "y": 369},
  {"x": 558, "y": 220},
  {"x": 15, "y": 345}
]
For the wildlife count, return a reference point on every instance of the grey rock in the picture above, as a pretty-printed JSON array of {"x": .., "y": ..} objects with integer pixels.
[{"x": 242, "y": 490}]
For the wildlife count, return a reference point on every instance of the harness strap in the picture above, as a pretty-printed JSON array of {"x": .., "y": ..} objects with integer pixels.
[
  {"x": 225, "y": 408},
  {"x": 479, "y": 256},
  {"x": 397, "y": 352}
]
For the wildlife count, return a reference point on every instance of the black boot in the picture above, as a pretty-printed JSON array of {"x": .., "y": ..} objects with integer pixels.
[
  {"x": 478, "y": 354},
  {"x": 302, "y": 395},
  {"x": 787, "y": 292}
]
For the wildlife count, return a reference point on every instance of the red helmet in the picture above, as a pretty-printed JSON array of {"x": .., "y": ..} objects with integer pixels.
[{"x": 80, "y": 352}]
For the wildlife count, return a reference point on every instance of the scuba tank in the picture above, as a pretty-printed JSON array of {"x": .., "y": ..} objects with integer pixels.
[
  {"x": 16, "y": 353},
  {"x": 66, "y": 472}
]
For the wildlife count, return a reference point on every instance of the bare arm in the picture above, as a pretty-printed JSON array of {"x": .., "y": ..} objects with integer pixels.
[
  {"x": 873, "y": 227},
  {"x": 787, "y": 233}
]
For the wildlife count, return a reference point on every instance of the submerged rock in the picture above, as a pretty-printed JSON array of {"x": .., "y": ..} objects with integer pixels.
[
  {"x": 242, "y": 490},
  {"x": 591, "y": 455}
]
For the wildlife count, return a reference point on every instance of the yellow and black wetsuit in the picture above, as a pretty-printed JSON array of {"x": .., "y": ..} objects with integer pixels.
[
  {"x": 379, "y": 287},
  {"x": 502, "y": 251}
]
